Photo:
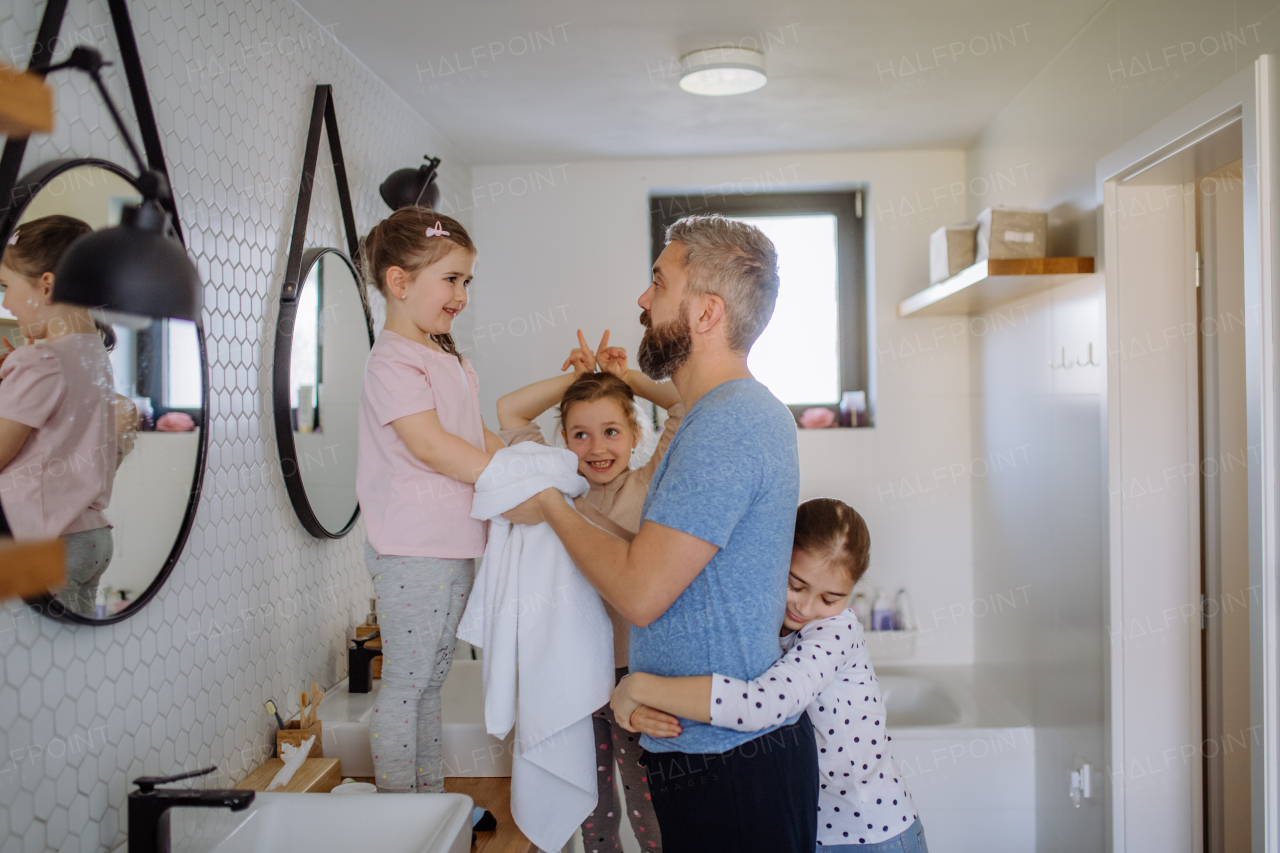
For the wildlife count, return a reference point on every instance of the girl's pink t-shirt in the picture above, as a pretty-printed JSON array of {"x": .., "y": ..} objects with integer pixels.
[
  {"x": 409, "y": 508},
  {"x": 60, "y": 481}
]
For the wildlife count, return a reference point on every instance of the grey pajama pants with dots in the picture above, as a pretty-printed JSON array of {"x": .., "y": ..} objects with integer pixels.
[
  {"x": 601, "y": 830},
  {"x": 420, "y": 601}
]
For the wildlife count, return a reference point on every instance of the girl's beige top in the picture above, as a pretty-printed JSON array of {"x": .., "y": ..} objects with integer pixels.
[{"x": 621, "y": 499}]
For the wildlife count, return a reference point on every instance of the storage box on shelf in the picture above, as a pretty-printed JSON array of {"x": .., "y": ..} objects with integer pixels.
[
  {"x": 1011, "y": 232},
  {"x": 951, "y": 249}
]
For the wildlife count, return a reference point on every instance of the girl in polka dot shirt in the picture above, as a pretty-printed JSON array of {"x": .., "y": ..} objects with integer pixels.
[{"x": 863, "y": 805}]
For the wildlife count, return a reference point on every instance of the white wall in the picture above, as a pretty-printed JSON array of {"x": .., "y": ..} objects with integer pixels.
[
  {"x": 1134, "y": 63},
  {"x": 574, "y": 252},
  {"x": 1037, "y": 537},
  {"x": 256, "y": 607}
]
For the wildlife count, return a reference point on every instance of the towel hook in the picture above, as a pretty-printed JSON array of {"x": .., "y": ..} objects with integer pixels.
[
  {"x": 1090, "y": 362},
  {"x": 1064, "y": 365}
]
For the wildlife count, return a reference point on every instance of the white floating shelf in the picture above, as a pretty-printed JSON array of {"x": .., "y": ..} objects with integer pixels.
[
  {"x": 891, "y": 645},
  {"x": 993, "y": 282}
]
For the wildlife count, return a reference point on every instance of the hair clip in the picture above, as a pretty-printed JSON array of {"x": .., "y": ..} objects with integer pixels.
[
  {"x": 13, "y": 238},
  {"x": 437, "y": 231}
]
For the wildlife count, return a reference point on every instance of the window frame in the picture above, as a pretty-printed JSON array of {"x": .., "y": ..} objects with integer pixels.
[{"x": 852, "y": 304}]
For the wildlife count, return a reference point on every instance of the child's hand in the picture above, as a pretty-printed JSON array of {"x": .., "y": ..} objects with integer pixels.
[
  {"x": 654, "y": 723},
  {"x": 611, "y": 359},
  {"x": 582, "y": 359},
  {"x": 8, "y": 349},
  {"x": 623, "y": 704}
]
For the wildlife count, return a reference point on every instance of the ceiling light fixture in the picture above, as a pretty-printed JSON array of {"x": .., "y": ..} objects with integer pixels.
[{"x": 722, "y": 71}]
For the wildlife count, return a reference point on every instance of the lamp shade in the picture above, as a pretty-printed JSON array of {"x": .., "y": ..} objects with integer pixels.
[
  {"x": 723, "y": 71},
  {"x": 134, "y": 268},
  {"x": 408, "y": 187}
]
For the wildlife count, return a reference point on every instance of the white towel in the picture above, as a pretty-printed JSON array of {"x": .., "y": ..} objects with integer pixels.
[{"x": 548, "y": 645}]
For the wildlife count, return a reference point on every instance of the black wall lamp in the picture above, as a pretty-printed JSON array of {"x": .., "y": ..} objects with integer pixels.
[
  {"x": 138, "y": 267},
  {"x": 409, "y": 187}
]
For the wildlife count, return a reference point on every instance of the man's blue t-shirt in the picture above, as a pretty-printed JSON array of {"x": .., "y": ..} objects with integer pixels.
[{"x": 731, "y": 477}]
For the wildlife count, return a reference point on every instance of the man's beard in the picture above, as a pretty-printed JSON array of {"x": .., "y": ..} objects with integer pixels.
[{"x": 663, "y": 350}]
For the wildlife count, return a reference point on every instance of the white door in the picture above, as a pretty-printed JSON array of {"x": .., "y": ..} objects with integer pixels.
[
  {"x": 1157, "y": 744},
  {"x": 1154, "y": 451}
]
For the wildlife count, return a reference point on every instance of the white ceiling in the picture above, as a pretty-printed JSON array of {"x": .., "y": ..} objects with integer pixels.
[{"x": 513, "y": 81}]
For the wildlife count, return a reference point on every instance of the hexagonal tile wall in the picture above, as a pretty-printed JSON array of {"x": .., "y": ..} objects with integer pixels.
[{"x": 256, "y": 607}]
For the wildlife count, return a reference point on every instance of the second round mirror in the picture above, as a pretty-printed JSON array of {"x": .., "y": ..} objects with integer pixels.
[{"x": 322, "y": 341}]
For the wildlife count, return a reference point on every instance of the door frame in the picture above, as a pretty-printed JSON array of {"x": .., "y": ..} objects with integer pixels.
[{"x": 1251, "y": 97}]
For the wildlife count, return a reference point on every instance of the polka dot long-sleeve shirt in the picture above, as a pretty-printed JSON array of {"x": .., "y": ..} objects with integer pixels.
[{"x": 826, "y": 667}]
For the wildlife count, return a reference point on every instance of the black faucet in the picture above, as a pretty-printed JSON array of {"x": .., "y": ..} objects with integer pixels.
[
  {"x": 148, "y": 823},
  {"x": 360, "y": 664}
]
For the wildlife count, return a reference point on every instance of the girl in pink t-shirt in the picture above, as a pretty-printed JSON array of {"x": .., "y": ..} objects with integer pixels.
[
  {"x": 422, "y": 445},
  {"x": 57, "y": 413}
]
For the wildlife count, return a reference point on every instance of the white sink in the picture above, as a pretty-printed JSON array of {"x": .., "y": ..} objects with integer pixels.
[
  {"x": 328, "y": 823},
  {"x": 466, "y": 748}
]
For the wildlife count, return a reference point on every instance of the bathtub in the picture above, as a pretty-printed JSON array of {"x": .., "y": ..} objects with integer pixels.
[
  {"x": 966, "y": 750},
  {"x": 965, "y": 747}
]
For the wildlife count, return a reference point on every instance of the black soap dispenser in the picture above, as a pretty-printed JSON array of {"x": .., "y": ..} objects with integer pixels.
[{"x": 360, "y": 664}]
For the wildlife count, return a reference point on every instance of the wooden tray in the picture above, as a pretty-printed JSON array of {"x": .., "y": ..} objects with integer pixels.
[{"x": 315, "y": 776}]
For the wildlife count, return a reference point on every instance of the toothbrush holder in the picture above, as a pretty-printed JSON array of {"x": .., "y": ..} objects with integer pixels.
[{"x": 295, "y": 735}]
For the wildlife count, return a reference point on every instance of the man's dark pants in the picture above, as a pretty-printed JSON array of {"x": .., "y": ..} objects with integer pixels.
[{"x": 760, "y": 796}]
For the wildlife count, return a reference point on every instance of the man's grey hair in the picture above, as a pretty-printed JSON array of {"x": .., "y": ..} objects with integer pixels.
[{"x": 736, "y": 262}]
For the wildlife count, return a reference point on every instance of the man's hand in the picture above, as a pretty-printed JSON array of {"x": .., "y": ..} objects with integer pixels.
[
  {"x": 654, "y": 723},
  {"x": 531, "y": 512}
]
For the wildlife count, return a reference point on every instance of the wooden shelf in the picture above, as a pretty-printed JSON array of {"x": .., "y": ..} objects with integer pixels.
[
  {"x": 993, "y": 282},
  {"x": 29, "y": 568},
  {"x": 315, "y": 776},
  {"x": 26, "y": 103}
]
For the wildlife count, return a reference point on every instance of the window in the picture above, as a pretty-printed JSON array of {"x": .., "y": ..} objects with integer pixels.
[
  {"x": 304, "y": 358},
  {"x": 814, "y": 350},
  {"x": 159, "y": 366}
]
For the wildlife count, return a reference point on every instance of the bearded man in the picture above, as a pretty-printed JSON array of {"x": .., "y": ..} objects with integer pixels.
[{"x": 704, "y": 580}]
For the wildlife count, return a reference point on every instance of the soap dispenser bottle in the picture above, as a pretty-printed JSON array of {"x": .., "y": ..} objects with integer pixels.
[
  {"x": 882, "y": 613},
  {"x": 862, "y": 609},
  {"x": 906, "y": 613},
  {"x": 360, "y": 664}
]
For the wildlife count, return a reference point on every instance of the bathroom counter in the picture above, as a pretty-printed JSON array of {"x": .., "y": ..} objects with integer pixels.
[
  {"x": 467, "y": 748},
  {"x": 341, "y": 706}
]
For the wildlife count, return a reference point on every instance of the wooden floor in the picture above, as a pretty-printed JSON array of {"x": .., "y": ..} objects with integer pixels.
[{"x": 492, "y": 793}]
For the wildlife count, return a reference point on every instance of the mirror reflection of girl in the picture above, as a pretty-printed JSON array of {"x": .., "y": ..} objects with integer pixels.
[
  {"x": 863, "y": 804},
  {"x": 598, "y": 423},
  {"x": 57, "y": 413},
  {"x": 421, "y": 447}
]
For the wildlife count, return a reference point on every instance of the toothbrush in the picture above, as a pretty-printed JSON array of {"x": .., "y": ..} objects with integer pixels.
[
  {"x": 317, "y": 696},
  {"x": 271, "y": 709}
]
